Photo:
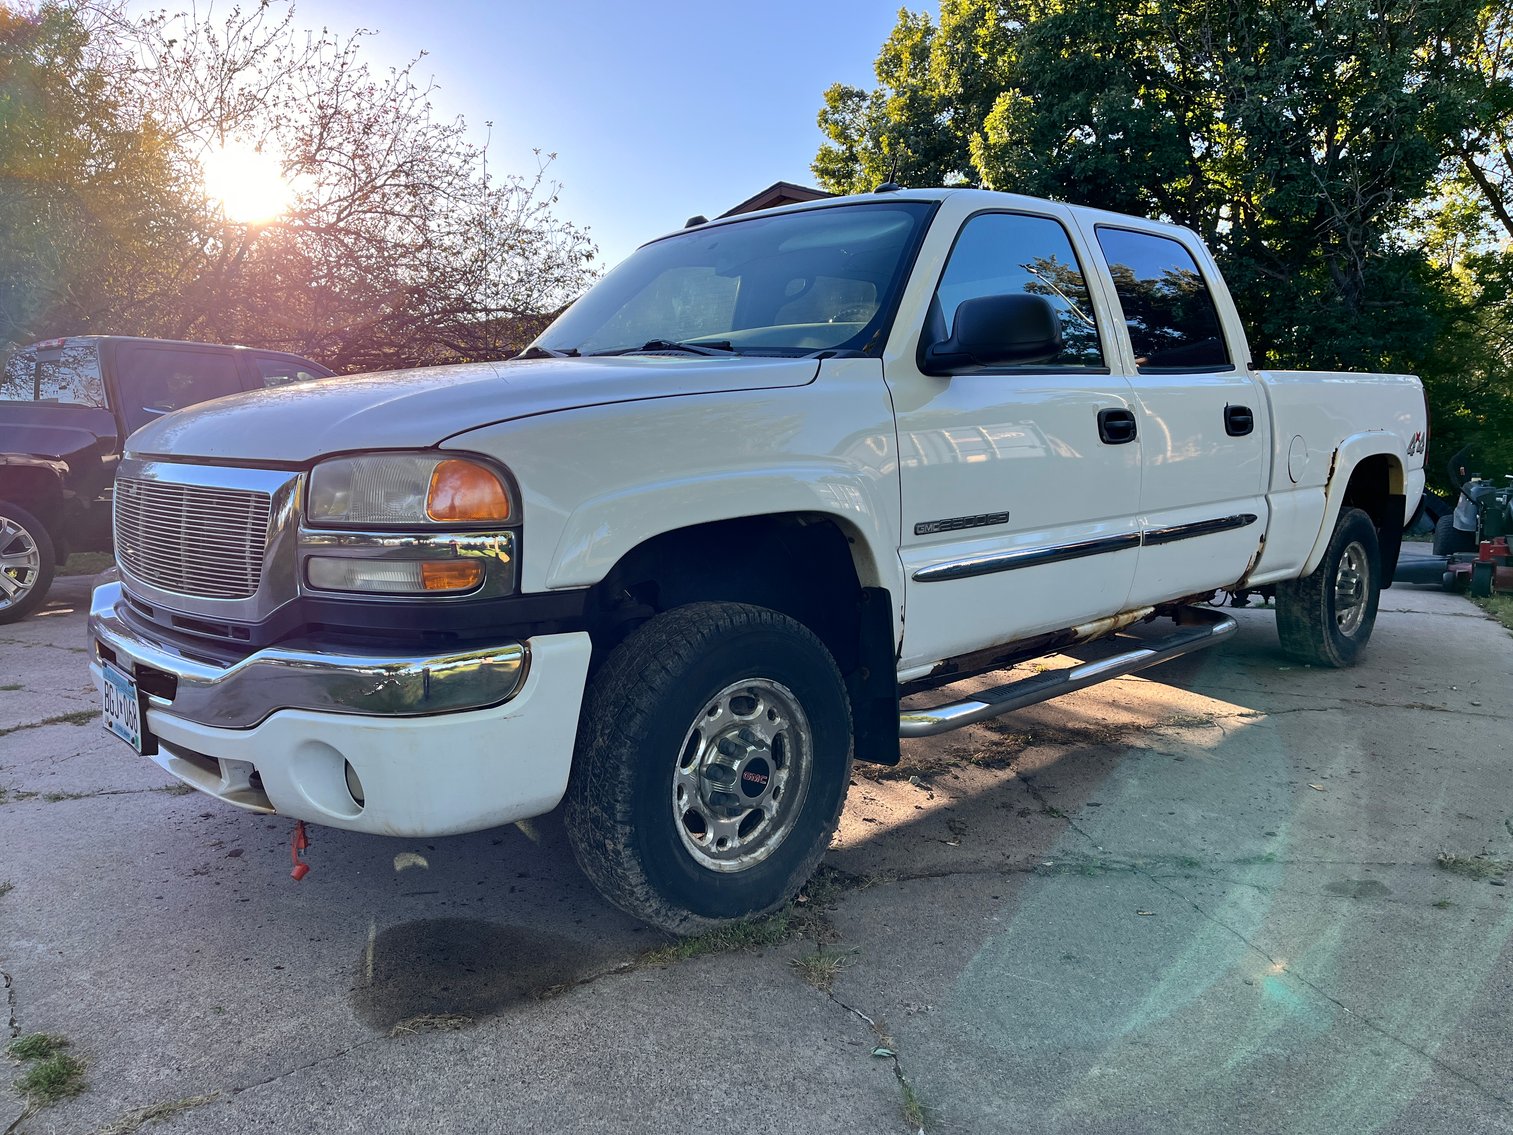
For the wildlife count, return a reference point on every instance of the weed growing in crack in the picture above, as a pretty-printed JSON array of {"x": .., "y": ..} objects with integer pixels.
[
  {"x": 917, "y": 1114},
  {"x": 821, "y": 968},
  {"x": 748, "y": 934},
  {"x": 6, "y": 888},
  {"x": 133, "y": 1120},
  {"x": 804, "y": 916},
  {"x": 51, "y": 1074},
  {"x": 1472, "y": 866}
]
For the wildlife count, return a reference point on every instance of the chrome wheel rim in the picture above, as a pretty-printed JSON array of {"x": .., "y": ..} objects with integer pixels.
[
  {"x": 20, "y": 563},
  {"x": 1350, "y": 591},
  {"x": 742, "y": 774}
]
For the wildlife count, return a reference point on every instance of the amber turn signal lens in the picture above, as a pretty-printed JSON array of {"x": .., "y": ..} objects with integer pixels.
[
  {"x": 463, "y": 490},
  {"x": 450, "y": 575}
]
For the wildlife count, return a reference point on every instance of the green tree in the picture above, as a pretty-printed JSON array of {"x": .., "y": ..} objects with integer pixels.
[
  {"x": 1297, "y": 139},
  {"x": 86, "y": 184}
]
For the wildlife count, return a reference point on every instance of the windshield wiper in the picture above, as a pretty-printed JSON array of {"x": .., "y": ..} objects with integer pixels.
[
  {"x": 534, "y": 352},
  {"x": 717, "y": 347}
]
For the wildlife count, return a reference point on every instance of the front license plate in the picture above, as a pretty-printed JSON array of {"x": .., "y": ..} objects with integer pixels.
[{"x": 123, "y": 708}]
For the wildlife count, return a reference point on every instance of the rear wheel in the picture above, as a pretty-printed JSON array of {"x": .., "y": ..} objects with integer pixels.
[
  {"x": 1326, "y": 617},
  {"x": 27, "y": 562},
  {"x": 1449, "y": 539},
  {"x": 712, "y": 762}
]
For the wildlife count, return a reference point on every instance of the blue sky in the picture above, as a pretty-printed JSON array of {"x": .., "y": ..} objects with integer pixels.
[{"x": 656, "y": 112}]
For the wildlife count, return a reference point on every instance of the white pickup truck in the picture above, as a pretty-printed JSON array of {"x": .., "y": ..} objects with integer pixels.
[{"x": 679, "y": 561}]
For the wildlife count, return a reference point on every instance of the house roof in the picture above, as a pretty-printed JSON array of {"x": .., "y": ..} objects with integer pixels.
[{"x": 778, "y": 193}]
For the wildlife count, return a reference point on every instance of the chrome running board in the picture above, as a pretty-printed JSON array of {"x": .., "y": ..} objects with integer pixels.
[{"x": 1197, "y": 627}]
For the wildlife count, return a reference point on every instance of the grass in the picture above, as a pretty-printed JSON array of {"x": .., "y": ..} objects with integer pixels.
[
  {"x": 1500, "y": 607},
  {"x": 86, "y": 563},
  {"x": 748, "y": 934},
  {"x": 917, "y": 1114},
  {"x": 51, "y": 1074},
  {"x": 1442, "y": 904},
  {"x": 133, "y": 1120},
  {"x": 11, "y": 687},
  {"x": 77, "y": 717},
  {"x": 821, "y": 968},
  {"x": 1472, "y": 866},
  {"x": 6, "y": 888},
  {"x": 431, "y": 1023},
  {"x": 804, "y": 915}
]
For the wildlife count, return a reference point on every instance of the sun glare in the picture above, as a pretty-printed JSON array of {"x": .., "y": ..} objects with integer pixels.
[{"x": 248, "y": 184}]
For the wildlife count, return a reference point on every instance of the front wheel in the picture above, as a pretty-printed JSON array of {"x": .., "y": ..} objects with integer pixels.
[
  {"x": 27, "y": 563},
  {"x": 713, "y": 756},
  {"x": 1325, "y": 618}
]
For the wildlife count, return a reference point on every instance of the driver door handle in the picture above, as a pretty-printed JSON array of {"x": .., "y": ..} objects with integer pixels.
[{"x": 1116, "y": 427}]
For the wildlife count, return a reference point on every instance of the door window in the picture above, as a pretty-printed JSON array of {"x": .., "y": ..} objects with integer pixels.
[
  {"x": 59, "y": 370},
  {"x": 276, "y": 371},
  {"x": 156, "y": 380},
  {"x": 1171, "y": 315},
  {"x": 1004, "y": 253}
]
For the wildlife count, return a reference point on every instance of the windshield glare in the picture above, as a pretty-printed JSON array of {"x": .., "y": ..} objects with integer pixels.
[{"x": 790, "y": 284}]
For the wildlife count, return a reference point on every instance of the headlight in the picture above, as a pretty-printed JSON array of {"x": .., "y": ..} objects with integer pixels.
[
  {"x": 410, "y": 524},
  {"x": 382, "y": 489}
]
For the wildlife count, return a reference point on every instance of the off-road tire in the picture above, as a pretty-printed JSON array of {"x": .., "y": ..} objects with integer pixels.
[
  {"x": 21, "y": 533},
  {"x": 633, "y": 735},
  {"x": 1449, "y": 539},
  {"x": 1314, "y": 620}
]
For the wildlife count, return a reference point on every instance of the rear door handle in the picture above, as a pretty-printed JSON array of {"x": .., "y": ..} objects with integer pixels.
[
  {"x": 1238, "y": 420},
  {"x": 1115, "y": 427}
]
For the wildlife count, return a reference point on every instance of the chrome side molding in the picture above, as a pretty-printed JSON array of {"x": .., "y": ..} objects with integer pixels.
[{"x": 1197, "y": 627}]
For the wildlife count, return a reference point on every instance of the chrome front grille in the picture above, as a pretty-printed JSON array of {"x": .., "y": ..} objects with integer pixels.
[{"x": 192, "y": 539}]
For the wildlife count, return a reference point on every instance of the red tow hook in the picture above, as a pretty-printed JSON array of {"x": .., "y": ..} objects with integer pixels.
[{"x": 298, "y": 844}]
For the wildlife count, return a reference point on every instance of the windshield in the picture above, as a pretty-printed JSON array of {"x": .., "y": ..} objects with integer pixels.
[
  {"x": 67, "y": 371},
  {"x": 790, "y": 284}
]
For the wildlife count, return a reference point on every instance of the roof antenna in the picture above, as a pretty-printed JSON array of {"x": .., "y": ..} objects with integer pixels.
[{"x": 891, "y": 185}]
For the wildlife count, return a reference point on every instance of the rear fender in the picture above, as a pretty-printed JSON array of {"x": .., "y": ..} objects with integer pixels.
[{"x": 1346, "y": 459}]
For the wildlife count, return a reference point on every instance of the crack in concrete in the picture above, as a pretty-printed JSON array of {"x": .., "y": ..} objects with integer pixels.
[
  {"x": 11, "y": 1024},
  {"x": 15, "y": 796},
  {"x": 909, "y": 1100}
]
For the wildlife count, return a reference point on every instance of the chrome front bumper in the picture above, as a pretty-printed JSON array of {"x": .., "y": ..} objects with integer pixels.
[{"x": 244, "y": 693}]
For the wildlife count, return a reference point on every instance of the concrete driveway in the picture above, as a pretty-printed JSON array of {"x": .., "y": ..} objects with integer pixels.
[{"x": 1205, "y": 899}]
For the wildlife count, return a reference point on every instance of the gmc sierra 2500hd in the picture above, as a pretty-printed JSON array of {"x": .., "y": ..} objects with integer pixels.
[{"x": 681, "y": 559}]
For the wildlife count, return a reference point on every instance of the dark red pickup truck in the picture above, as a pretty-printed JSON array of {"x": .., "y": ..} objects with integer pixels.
[{"x": 66, "y": 408}]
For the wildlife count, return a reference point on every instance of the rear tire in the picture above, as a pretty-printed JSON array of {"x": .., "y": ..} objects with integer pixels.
[
  {"x": 1326, "y": 618},
  {"x": 713, "y": 756},
  {"x": 27, "y": 563},
  {"x": 1449, "y": 539}
]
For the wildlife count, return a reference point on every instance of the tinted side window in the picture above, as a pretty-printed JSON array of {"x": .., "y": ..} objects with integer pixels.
[
  {"x": 160, "y": 379},
  {"x": 1172, "y": 319},
  {"x": 275, "y": 371},
  {"x": 56, "y": 372},
  {"x": 1003, "y": 253}
]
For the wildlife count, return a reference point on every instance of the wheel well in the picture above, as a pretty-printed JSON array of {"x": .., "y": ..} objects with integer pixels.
[
  {"x": 1376, "y": 488},
  {"x": 800, "y": 564},
  {"x": 36, "y": 490}
]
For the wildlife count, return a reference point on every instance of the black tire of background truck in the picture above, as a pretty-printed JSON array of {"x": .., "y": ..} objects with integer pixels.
[
  {"x": 23, "y": 537},
  {"x": 1449, "y": 539},
  {"x": 1482, "y": 580},
  {"x": 1317, "y": 620},
  {"x": 640, "y": 750}
]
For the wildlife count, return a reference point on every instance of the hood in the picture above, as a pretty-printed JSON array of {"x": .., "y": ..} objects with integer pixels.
[{"x": 416, "y": 409}]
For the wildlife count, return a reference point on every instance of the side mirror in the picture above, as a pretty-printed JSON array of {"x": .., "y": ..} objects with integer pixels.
[{"x": 996, "y": 331}]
